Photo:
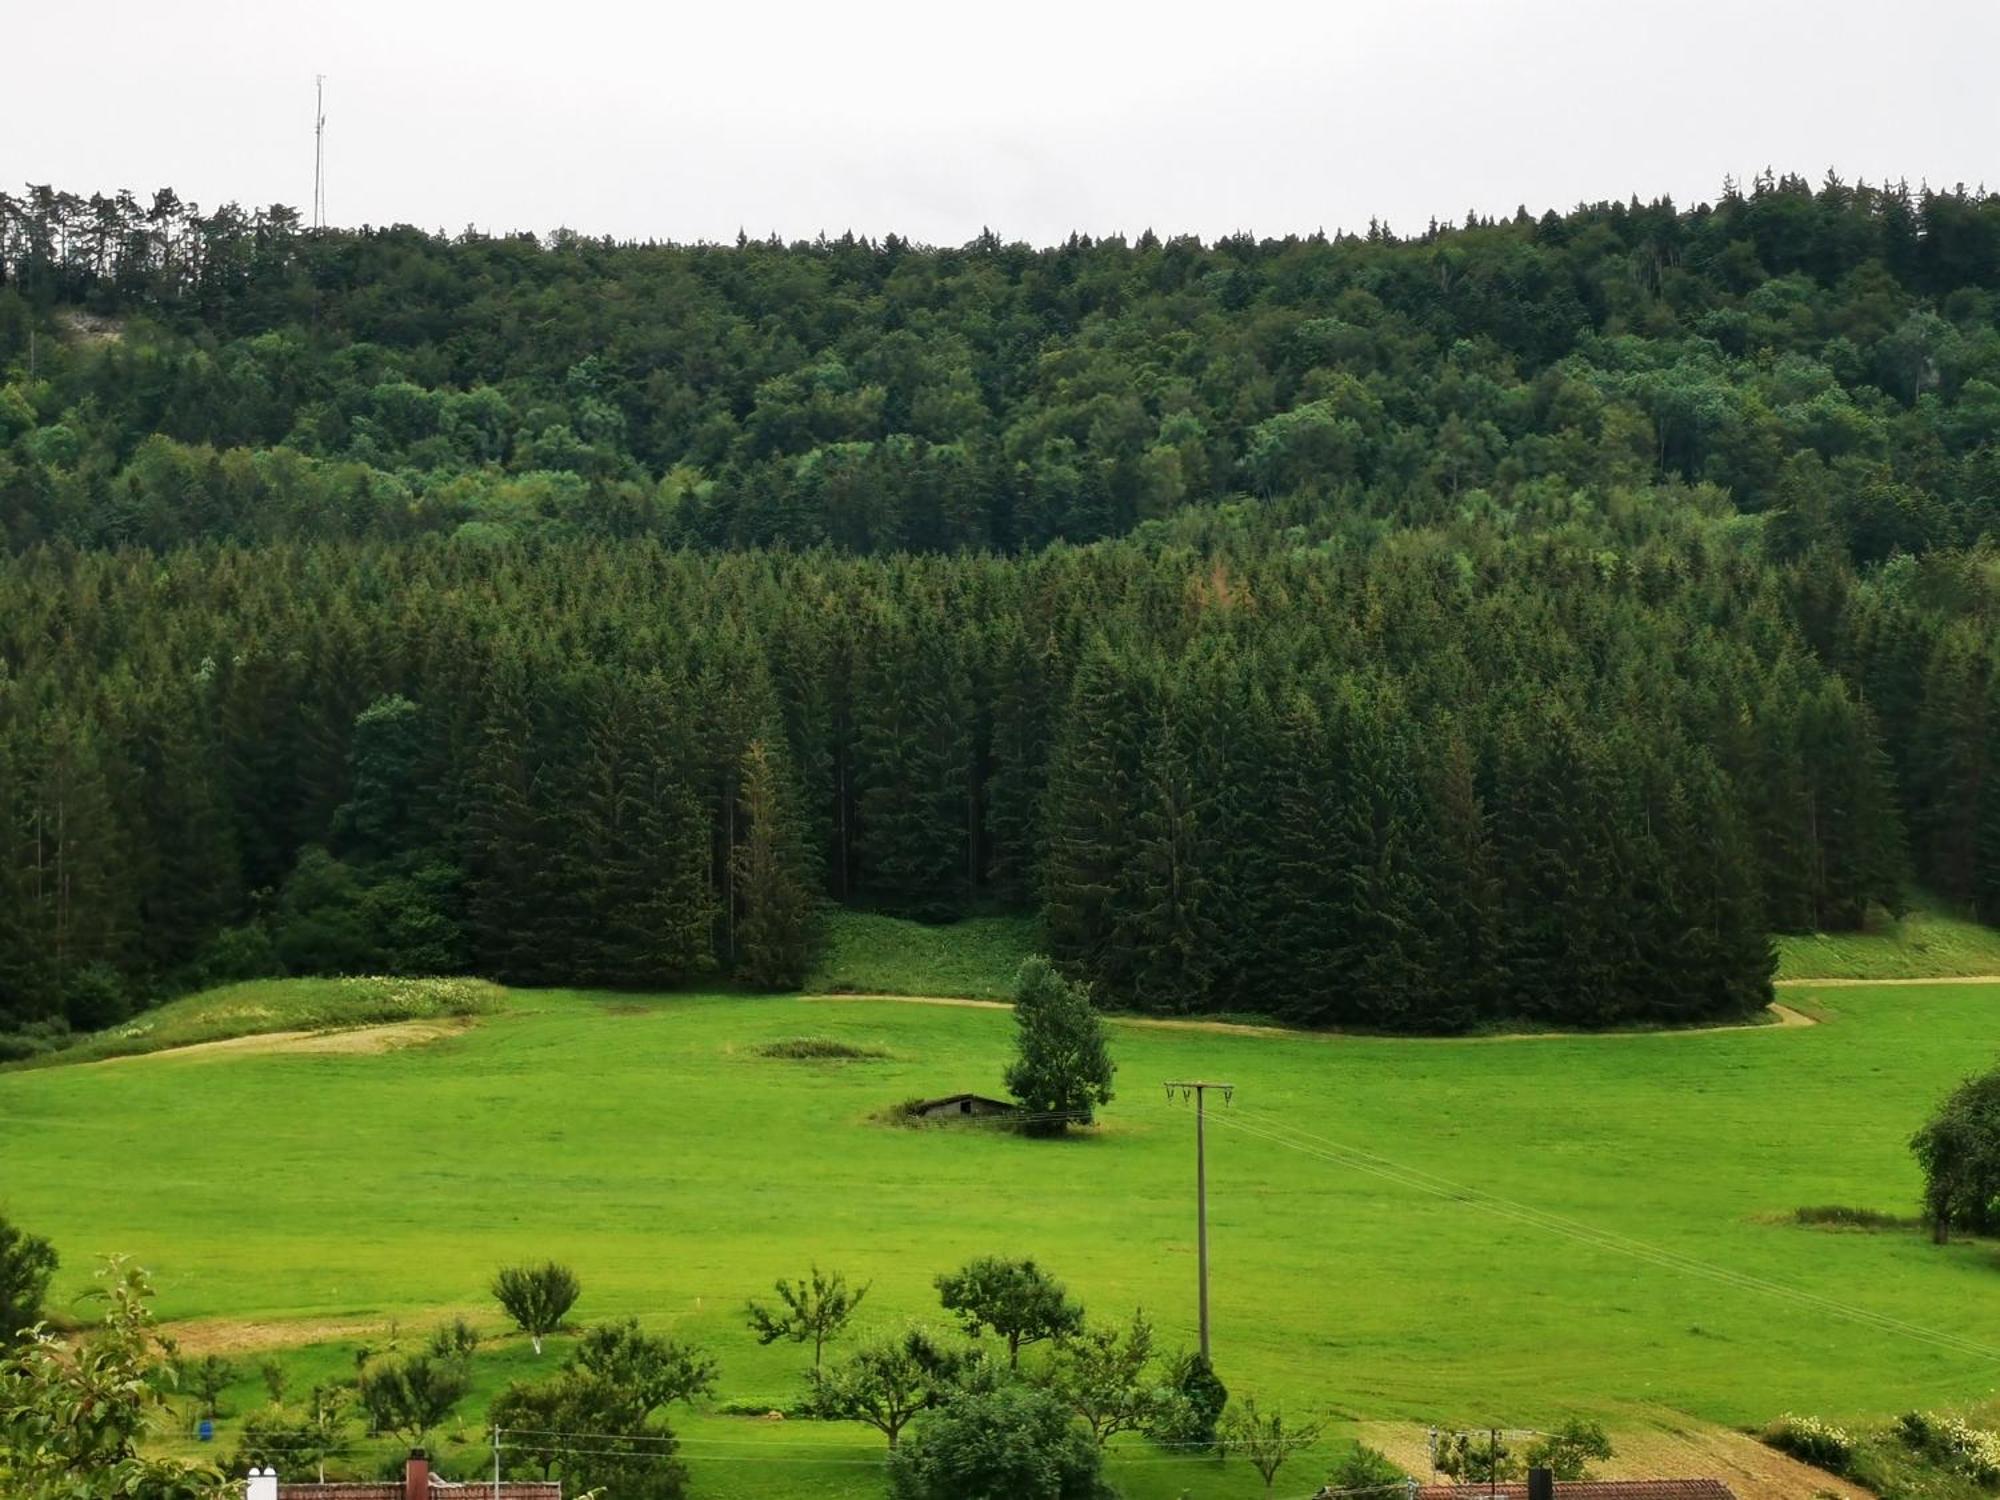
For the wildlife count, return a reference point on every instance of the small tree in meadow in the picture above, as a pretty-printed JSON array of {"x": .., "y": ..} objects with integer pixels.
[
  {"x": 649, "y": 1370},
  {"x": 1015, "y": 1299},
  {"x": 885, "y": 1383},
  {"x": 811, "y": 1310},
  {"x": 1267, "y": 1439},
  {"x": 537, "y": 1298},
  {"x": 207, "y": 1378},
  {"x": 1062, "y": 1067},
  {"x": 1477, "y": 1458},
  {"x": 457, "y": 1339},
  {"x": 272, "y": 1373},
  {"x": 1100, "y": 1374},
  {"x": 1567, "y": 1452},
  {"x": 1959, "y": 1151},
  {"x": 408, "y": 1397}
]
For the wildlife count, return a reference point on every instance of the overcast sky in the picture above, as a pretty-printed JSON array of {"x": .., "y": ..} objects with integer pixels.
[{"x": 1036, "y": 117}]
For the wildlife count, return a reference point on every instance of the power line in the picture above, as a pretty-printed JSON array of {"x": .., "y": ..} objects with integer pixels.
[{"x": 1610, "y": 1239}]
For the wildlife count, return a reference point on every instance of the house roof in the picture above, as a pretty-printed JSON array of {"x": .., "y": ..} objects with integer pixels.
[
  {"x": 392, "y": 1489},
  {"x": 1589, "y": 1489}
]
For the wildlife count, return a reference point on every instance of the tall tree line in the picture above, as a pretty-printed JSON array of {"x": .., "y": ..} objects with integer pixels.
[{"x": 1407, "y": 780}]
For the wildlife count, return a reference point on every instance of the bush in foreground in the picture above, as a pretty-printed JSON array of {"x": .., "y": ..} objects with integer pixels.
[{"x": 1004, "y": 1444}]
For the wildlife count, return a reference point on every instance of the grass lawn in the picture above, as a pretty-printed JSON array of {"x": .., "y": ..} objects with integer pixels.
[
  {"x": 1930, "y": 942},
  {"x": 309, "y": 1198}
]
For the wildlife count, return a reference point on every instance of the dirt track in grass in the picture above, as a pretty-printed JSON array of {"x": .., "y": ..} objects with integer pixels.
[{"x": 391, "y": 1037}]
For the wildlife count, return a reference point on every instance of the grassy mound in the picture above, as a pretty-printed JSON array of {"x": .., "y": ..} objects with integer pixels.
[
  {"x": 867, "y": 954},
  {"x": 1929, "y": 943},
  {"x": 260, "y": 1006}
]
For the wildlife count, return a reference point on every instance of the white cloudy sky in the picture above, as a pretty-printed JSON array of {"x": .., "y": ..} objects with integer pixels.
[{"x": 1037, "y": 117}]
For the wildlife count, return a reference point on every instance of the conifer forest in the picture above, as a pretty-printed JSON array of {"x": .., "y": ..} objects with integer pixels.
[{"x": 1519, "y": 620}]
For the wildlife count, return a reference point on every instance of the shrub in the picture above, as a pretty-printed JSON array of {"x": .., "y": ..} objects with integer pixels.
[
  {"x": 1188, "y": 1407},
  {"x": 1815, "y": 1442},
  {"x": 1365, "y": 1468},
  {"x": 999, "y": 1445},
  {"x": 36, "y": 1039},
  {"x": 27, "y": 1261},
  {"x": 1841, "y": 1216},
  {"x": 457, "y": 1339},
  {"x": 821, "y": 1049},
  {"x": 238, "y": 953},
  {"x": 95, "y": 997},
  {"x": 1954, "y": 1443}
]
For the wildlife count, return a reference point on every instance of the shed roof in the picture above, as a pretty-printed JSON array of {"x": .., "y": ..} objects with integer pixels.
[{"x": 960, "y": 1098}]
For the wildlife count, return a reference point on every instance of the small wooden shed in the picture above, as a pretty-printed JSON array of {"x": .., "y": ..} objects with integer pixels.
[{"x": 961, "y": 1107}]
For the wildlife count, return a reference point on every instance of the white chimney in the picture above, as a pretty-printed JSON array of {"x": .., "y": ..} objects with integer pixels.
[{"x": 262, "y": 1484}]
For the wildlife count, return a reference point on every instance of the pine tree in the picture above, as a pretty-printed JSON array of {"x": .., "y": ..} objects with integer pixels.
[
  {"x": 510, "y": 851},
  {"x": 1164, "y": 916},
  {"x": 1091, "y": 805},
  {"x": 916, "y": 772},
  {"x": 776, "y": 932}
]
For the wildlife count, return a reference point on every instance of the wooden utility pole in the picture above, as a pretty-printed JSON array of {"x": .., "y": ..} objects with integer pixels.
[{"x": 1199, "y": 1089}]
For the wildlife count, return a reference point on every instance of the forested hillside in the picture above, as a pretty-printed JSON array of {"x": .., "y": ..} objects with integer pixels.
[{"x": 1518, "y": 620}]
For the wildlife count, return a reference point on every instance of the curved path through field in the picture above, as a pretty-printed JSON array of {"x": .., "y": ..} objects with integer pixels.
[
  {"x": 373, "y": 1036},
  {"x": 1781, "y": 1016}
]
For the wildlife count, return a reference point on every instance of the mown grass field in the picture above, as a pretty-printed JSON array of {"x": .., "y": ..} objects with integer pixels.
[{"x": 307, "y": 1200}]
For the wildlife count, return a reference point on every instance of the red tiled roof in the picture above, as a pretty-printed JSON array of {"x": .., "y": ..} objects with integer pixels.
[
  {"x": 1589, "y": 1489},
  {"x": 510, "y": 1489}
]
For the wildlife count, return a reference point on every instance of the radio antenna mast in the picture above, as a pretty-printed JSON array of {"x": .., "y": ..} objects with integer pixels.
[{"x": 319, "y": 151}]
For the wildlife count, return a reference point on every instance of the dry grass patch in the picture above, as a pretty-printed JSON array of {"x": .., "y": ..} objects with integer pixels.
[
  {"x": 1660, "y": 1446},
  {"x": 353, "y": 1040}
]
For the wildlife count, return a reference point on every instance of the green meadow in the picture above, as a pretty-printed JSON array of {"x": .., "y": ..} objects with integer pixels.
[
  {"x": 1930, "y": 941},
  {"x": 308, "y": 1201}
]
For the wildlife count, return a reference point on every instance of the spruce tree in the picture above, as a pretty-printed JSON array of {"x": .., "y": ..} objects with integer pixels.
[{"x": 777, "y": 930}]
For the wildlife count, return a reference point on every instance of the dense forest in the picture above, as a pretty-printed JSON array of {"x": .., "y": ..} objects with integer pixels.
[{"x": 1516, "y": 620}]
